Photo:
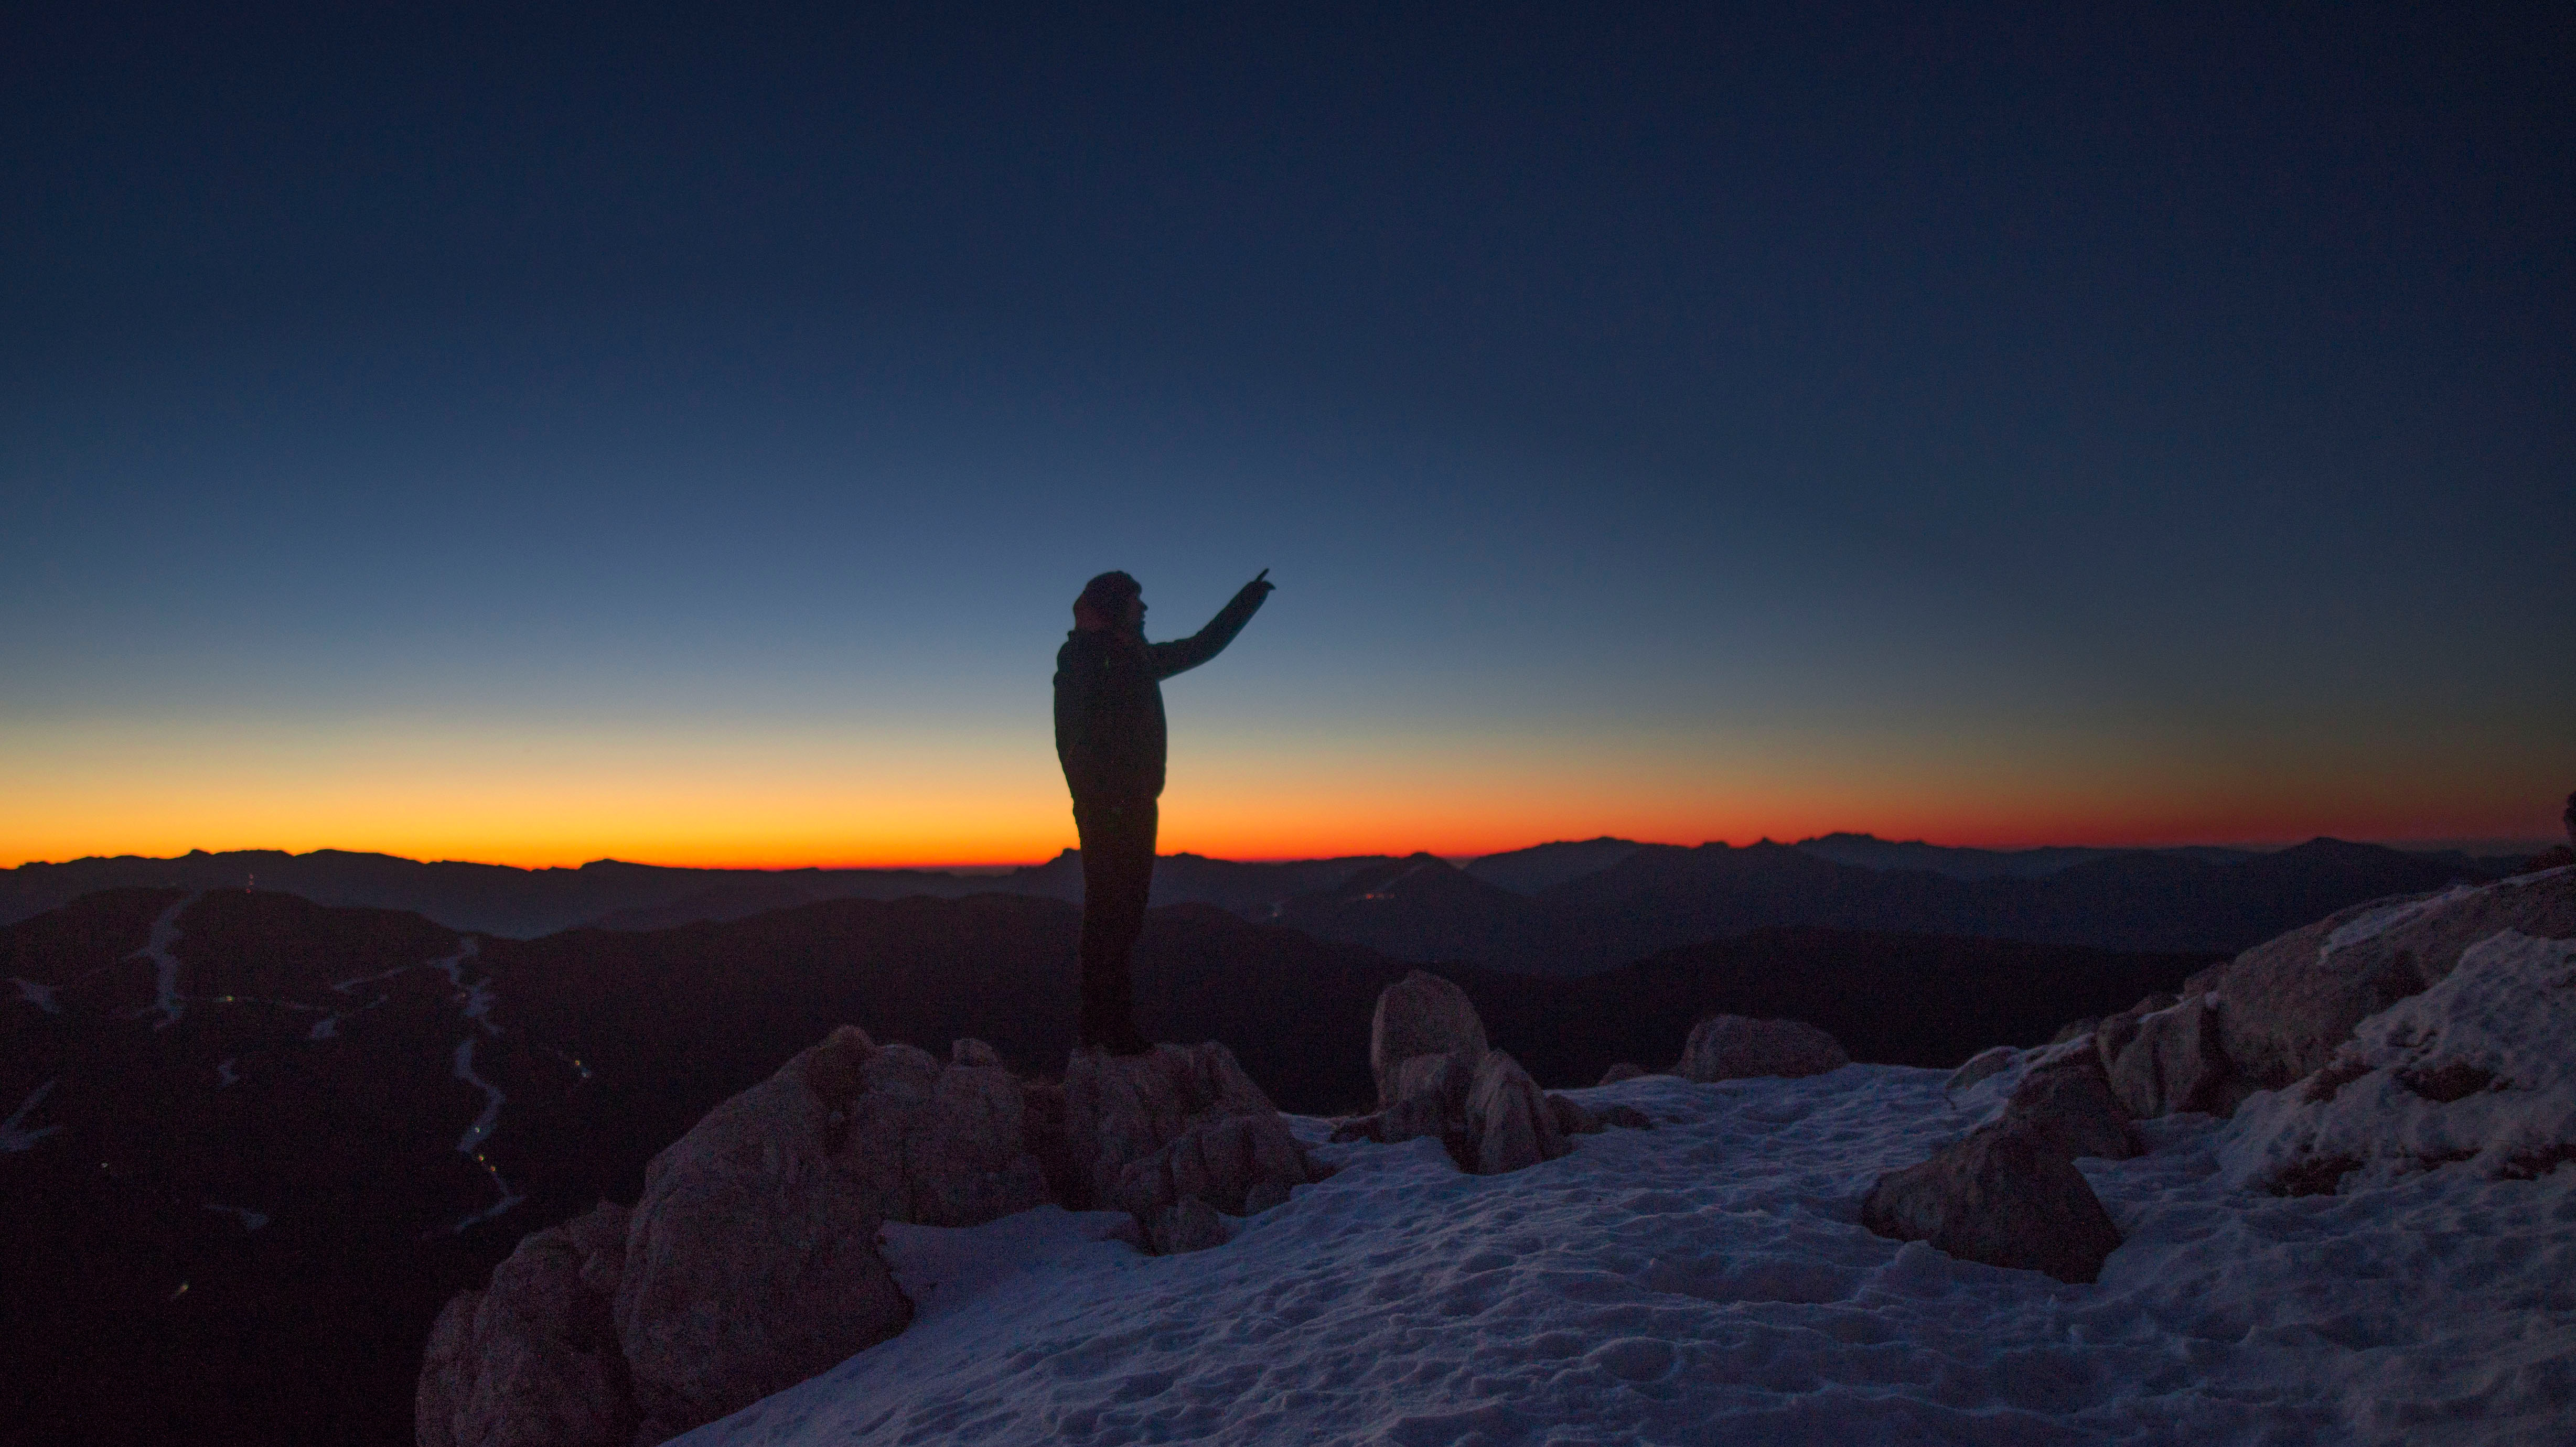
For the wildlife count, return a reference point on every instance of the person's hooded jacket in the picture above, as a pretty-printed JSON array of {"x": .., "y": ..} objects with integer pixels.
[{"x": 1109, "y": 729}]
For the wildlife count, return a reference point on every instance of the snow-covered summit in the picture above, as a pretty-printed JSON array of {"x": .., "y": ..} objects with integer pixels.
[
  {"x": 2318, "y": 1197},
  {"x": 1708, "y": 1281}
]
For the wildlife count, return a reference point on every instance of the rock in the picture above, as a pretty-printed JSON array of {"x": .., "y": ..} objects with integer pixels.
[
  {"x": 1188, "y": 1224},
  {"x": 939, "y": 1147},
  {"x": 1731, "y": 1047},
  {"x": 1509, "y": 1126},
  {"x": 1624, "y": 1070},
  {"x": 533, "y": 1360},
  {"x": 1146, "y": 1131},
  {"x": 1572, "y": 1119},
  {"x": 1983, "y": 1065},
  {"x": 751, "y": 1261},
  {"x": 1042, "y": 1134},
  {"x": 2171, "y": 1061},
  {"x": 2475, "y": 1074},
  {"x": 1422, "y": 1014},
  {"x": 2288, "y": 1003},
  {"x": 1626, "y": 1117},
  {"x": 2066, "y": 1102},
  {"x": 963, "y": 1051},
  {"x": 2002, "y": 1196},
  {"x": 2074, "y": 1030}
]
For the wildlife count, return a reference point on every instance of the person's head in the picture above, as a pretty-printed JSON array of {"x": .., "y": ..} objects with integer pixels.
[{"x": 1112, "y": 601}]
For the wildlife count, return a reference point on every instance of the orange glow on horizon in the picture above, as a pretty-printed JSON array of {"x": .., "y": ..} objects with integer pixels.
[{"x": 736, "y": 799}]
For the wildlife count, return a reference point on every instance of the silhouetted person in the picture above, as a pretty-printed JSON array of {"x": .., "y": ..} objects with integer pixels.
[{"x": 1109, "y": 736}]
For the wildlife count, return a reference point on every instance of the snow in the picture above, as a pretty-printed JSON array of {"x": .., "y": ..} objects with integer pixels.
[
  {"x": 1708, "y": 1281},
  {"x": 225, "y": 1074},
  {"x": 165, "y": 965},
  {"x": 2493, "y": 1036},
  {"x": 250, "y": 1220},
  {"x": 14, "y": 1135},
  {"x": 484, "y": 1124}
]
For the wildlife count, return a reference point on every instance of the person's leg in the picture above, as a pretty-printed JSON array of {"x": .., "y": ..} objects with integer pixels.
[{"x": 1117, "y": 878}]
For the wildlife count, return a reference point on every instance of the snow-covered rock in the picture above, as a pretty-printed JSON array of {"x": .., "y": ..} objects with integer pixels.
[
  {"x": 1732, "y": 1047},
  {"x": 1422, "y": 1014},
  {"x": 2476, "y": 1075},
  {"x": 2286, "y": 1005}
]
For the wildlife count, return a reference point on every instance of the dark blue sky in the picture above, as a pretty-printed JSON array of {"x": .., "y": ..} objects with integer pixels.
[{"x": 1992, "y": 424}]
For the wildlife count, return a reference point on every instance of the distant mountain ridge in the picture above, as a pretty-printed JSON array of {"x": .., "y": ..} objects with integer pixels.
[{"x": 517, "y": 903}]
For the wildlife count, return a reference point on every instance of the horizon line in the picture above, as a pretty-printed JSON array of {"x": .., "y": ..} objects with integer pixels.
[{"x": 2486, "y": 845}]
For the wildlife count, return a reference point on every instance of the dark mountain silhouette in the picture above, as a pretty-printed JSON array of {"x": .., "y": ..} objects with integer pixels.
[
  {"x": 498, "y": 899},
  {"x": 1867, "y": 851},
  {"x": 236, "y": 1190},
  {"x": 1662, "y": 896},
  {"x": 1527, "y": 871}
]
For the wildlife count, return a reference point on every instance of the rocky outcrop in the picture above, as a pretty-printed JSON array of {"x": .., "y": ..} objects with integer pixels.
[
  {"x": 2279, "y": 1012},
  {"x": 1624, "y": 1070},
  {"x": 2003, "y": 1196},
  {"x": 2474, "y": 1074},
  {"x": 2287, "y": 1004},
  {"x": 1732, "y": 1047},
  {"x": 1509, "y": 1125},
  {"x": 1422, "y": 1014},
  {"x": 1146, "y": 1132},
  {"x": 2066, "y": 1103},
  {"x": 749, "y": 1264},
  {"x": 532, "y": 1360},
  {"x": 2169, "y": 1060}
]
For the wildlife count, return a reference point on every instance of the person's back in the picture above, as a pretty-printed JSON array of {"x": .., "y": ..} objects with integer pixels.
[{"x": 1111, "y": 738}]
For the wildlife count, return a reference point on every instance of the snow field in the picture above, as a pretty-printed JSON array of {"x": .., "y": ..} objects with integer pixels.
[{"x": 1708, "y": 1282}]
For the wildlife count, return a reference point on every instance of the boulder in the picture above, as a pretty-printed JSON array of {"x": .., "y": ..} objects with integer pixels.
[
  {"x": 533, "y": 1360},
  {"x": 1421, "y": 1014},
  {"x": 1626, "y": 1117},
  {"x": 2065, "y": 1102},
  {"x": 1624, "y": 1070},
  {"x": 751, "y": 1260},
  {"x": 1983, "y": 1065},
  {"x": 1509, "y": 1126},
  {"x": 1146, "y": 1131},
  {"x": 2291, "y": 1001},
  {"x": 1573, "y": 1119},
  {"x": 2171, "y": 1061},
  {"x": 1731, "y": 1047},
  {"x": 2002, "y": 1196}
]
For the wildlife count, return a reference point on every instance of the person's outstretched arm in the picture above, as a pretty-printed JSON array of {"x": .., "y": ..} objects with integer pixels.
[{"x": 1182, "y": 654}]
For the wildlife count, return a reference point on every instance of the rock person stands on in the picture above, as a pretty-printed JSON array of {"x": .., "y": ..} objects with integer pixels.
[{"x": 1109, "y": 735}]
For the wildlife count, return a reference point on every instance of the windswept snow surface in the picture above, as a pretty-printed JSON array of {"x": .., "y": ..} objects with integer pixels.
[{"x": 1708, "y": 1282}]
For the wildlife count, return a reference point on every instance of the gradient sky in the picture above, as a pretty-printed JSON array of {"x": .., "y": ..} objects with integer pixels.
[{"x": 530, "y": 433}]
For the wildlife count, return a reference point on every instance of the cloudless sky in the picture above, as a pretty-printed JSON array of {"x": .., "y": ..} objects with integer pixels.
[{"x": 535, "y": 433}]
